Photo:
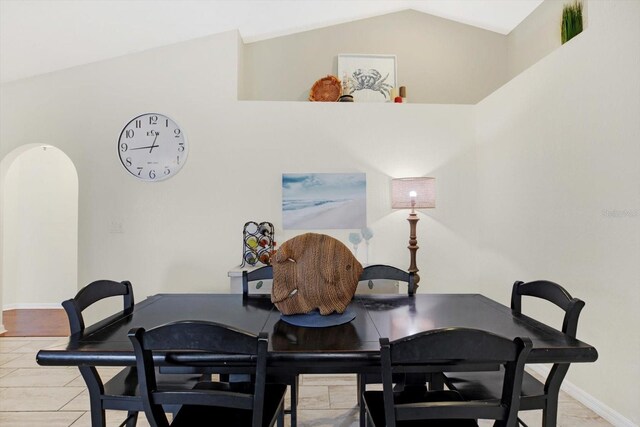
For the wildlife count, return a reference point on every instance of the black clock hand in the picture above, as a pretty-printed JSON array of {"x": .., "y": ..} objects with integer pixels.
[
  {"x": 150, "y": 147},
  {"x": 142, "y": 148},
  {"x": 153, "y": 144}
]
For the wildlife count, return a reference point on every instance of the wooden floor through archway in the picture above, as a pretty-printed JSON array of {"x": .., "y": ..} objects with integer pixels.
[{"x": 41, "y": 322}]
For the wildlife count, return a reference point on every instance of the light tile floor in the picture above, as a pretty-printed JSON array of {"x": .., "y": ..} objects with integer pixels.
[{"x": 34, "y": 396}]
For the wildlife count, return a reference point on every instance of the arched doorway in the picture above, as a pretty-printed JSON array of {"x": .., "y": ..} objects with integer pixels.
[{"x": 39, "y": 230}]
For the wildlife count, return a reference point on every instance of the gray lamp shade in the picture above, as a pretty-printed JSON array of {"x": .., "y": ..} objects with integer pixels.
[{"x": 422, "y": 190}]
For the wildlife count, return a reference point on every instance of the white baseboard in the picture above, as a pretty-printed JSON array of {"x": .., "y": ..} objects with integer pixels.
[
  {"x": 597, "y": 406},
  {"x": 32, "y": 306}
]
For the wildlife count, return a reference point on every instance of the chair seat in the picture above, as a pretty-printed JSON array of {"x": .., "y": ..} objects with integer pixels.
[
  {"x": 195, "y": 415},
  {"x": 374, "y": 402},
  {"x": 488, "y": 386}
]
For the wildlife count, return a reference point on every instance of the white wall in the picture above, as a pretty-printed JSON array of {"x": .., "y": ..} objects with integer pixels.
[
  {"x": 182, "y": 235},
  {"x": 559, "y": 169},
  {"x": 438, "y": 60},
  {"x": 535, "y": 37},
  {"x": 40, "y": 229}
]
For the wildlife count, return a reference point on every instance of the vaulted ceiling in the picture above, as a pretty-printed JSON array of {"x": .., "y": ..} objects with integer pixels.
[{"x": 38, "y": 36}]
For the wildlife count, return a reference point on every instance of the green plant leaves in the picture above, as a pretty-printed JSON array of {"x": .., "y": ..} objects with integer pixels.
[{"x": 571, "y": 21}]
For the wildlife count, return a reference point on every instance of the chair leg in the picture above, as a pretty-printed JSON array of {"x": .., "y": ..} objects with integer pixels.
[
  {"x": 294, "y": 400},
  {"x": 132, "y": 419},
  {"x": 281, "y": 418},
  {"x": 550, "y": 412},
  {"x": 362, "y": 386},
  {"x": 98, "y": 417},
  {"x": 95, "y": 389},
  {"x": 368, "y": 422}
]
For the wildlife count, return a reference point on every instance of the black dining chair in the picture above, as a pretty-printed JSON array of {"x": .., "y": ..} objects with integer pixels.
[
  {"x": 254, "y": 404},
  {"x": 369, "y": 275},
  {"x": 535, "y": 395},
  {"x": 292, "y": 380},
  {"x": 121, "y": 391},
  {"x": 441, "y": 349}
]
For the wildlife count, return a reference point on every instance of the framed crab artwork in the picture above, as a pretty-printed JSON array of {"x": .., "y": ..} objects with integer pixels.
[{"x": 368, "y": 78}]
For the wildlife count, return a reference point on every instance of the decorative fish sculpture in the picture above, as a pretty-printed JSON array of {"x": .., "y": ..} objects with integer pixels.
[{"x": 314, "y": 271}]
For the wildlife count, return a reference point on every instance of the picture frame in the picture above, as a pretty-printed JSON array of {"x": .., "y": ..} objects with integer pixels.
[
  {"x": 321, "y": 201},
  {"x": 369, "y": 77}
]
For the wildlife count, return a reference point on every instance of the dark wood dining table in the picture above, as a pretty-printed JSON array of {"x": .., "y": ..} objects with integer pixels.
[{"x": 352, "y": 347}]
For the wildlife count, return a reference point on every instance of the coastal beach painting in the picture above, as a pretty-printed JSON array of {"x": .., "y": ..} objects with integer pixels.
[{"x": 316, "y": 201}]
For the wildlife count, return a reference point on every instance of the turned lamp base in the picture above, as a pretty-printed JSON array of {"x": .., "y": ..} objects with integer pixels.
[{"x": 413, "y": 247}]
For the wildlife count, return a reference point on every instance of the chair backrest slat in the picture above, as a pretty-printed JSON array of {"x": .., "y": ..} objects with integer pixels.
[
  {"x": 262, "y": 273},
  {"x": 380, "y": 271},
  {"x": 200, "y": 336},
  {"x": 455, "y": 346},
  {"x": 543, "y": 289},
  {"x": 92, "y": 293}
]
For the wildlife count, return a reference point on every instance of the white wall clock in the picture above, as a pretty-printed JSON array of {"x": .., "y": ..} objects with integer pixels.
[{"x": 152, "y": 147}]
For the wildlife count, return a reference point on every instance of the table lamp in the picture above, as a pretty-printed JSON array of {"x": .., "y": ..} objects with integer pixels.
[{"x": 413, "y": 193}]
